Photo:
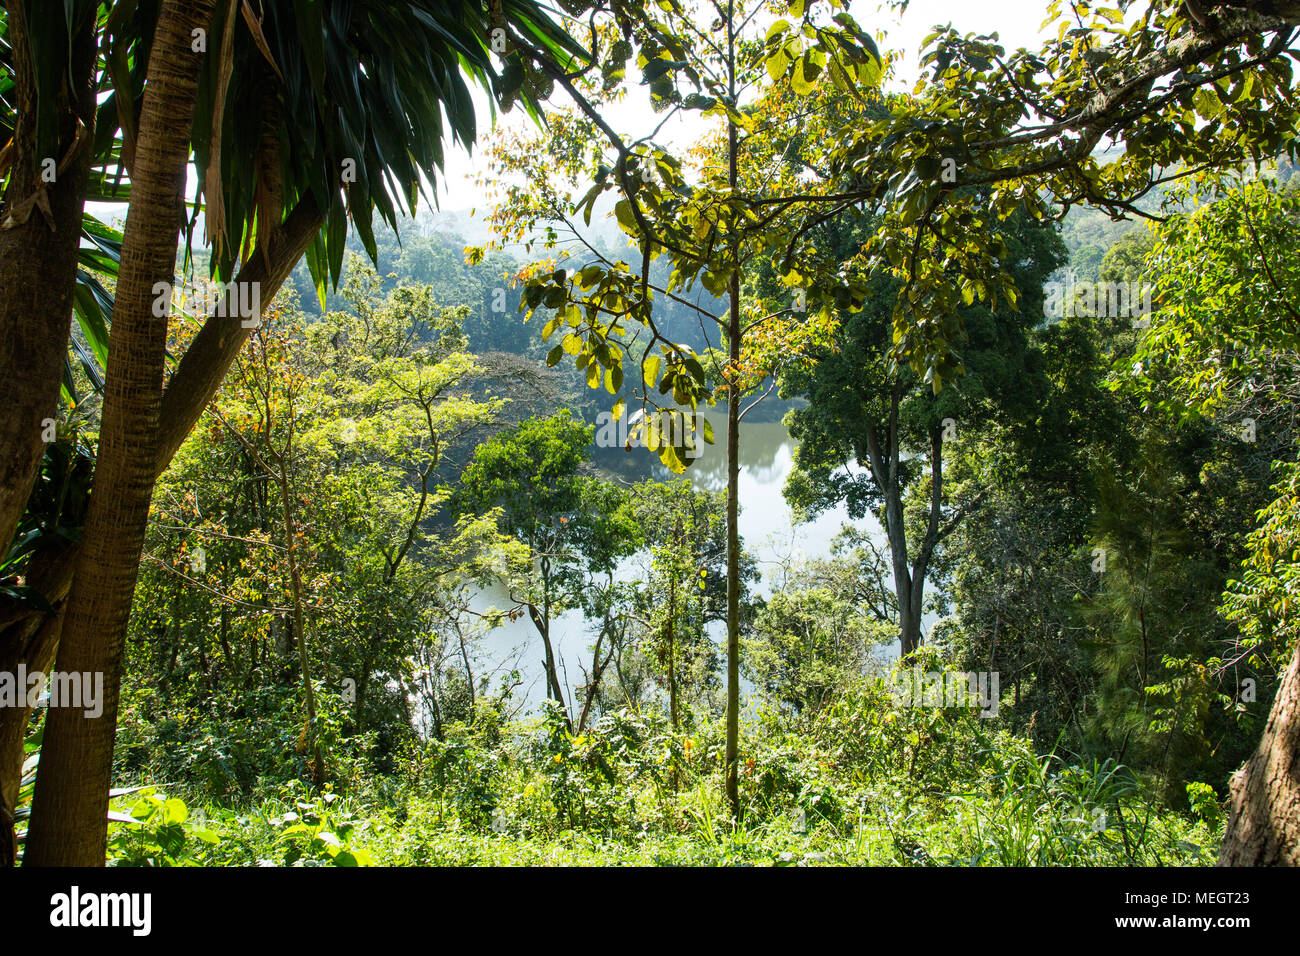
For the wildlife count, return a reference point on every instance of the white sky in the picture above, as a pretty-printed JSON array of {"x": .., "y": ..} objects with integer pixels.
[{"x": 1016, "y": 22}]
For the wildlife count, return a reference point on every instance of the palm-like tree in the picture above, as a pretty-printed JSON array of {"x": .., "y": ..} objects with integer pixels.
[{"x": 300, "y": 118}]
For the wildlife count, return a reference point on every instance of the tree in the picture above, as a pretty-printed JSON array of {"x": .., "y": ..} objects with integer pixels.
[
  {"x": 712, "y": 223},
  {"x": 942, "y": 177},
  {"x": 1023, "y": 129},
  {"x": 574, "y": 526},
  {"x": 1224, "y": 339},
  {"x": 1174, "y": 90},
  {"x": 877, "y": 417},
  {"x": 53, "y": 119},
  {"x": 355, "y": 425},
  {"x": 1264, "y": 829},
  {"x": 335, "y": 123},
  {"x": 809, "y": 646},
  {"x": 70, "y": 801},
  {"x": 685, "y": 531},
  {"x": 1016, "y": 577}
]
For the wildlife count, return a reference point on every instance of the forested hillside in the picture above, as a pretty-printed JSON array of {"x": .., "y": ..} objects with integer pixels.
[{"x": 784, "y": 453}]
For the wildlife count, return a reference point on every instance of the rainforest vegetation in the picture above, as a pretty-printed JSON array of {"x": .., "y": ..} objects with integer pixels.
[{"x": 371, "y": 533}]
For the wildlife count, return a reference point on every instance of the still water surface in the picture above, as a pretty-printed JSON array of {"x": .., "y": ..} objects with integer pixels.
[{"x": 766, "y": 527}]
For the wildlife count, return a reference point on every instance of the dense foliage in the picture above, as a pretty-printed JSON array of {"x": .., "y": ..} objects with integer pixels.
[{"x": 1062, "y": 446}]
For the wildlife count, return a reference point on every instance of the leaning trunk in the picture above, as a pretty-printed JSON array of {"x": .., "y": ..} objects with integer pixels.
[
  {"x": 190, "y": 389},
  {"x": 69, "y": 823},
  {"x": 1264, "y": 828}
]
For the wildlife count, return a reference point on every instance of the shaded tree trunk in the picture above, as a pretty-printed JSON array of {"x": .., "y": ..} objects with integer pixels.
[
  {"x": 275, "y": 464},
  {"x": 1264, "y": 826},
  {"x": 363, "y": 686},
  {"x": 31, "y": 643},
  {"x": 598, "y": 665},
  {"x": 69, "y": 823},
  {"x": 469, "y": 669},
  {"x": 733, "y": 571},
  {"x": 909, "y": 578},
  {"x": 670, "y": 641},
  {"x": 541, "y": 618},
  {"x": 300, "y": 621},
  {"x": 38, "y": 270},
  {"x": 38, "y": 259},
  {"x": 883, "y": 460}
]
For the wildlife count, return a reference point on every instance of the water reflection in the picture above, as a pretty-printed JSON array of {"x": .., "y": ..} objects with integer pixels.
[{"x": 766, "y": 527}]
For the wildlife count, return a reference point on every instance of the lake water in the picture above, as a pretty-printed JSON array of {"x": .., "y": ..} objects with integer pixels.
[{"x": 767, "y": 529}]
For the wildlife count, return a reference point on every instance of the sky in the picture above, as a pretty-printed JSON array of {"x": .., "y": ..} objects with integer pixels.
[{"x": 1016, "y": 22}]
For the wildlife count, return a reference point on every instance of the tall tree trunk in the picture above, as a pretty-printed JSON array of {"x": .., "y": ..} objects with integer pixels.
[
  {"x": 541, "y": 618},
  {"x": 1264, "y": 828},
  {"x": 299, "y": 617},
  {"x": 733, "y": 473},
  {"x": 909, "y": 618},
  {"x": 884, "y": 464},
  {"x": 363, "y": 686},
  {"x": 672, "y": 633},
  {"x": 915, "y": 595},
  {"x": 188, "y": 392},
  {"x": 469, "y": 669},
  {"x": 597, "y": 671},
  {"x": 554, "y": 689},
  {"x": 38, "y": 271},
  {"x": 671, "y": 642},
  {"x": 69, "y": 823},
  {"x": 38, "y": 258}
]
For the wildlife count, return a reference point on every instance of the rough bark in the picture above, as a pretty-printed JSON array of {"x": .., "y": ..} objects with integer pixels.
[
  {"x": 69, "y": 824},
  {"x": 1264, "y": 826},
  {"x": 201, "y": 371},
  {"x": 38, "y": 263},
  {"x": 38, "y": 272}
]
